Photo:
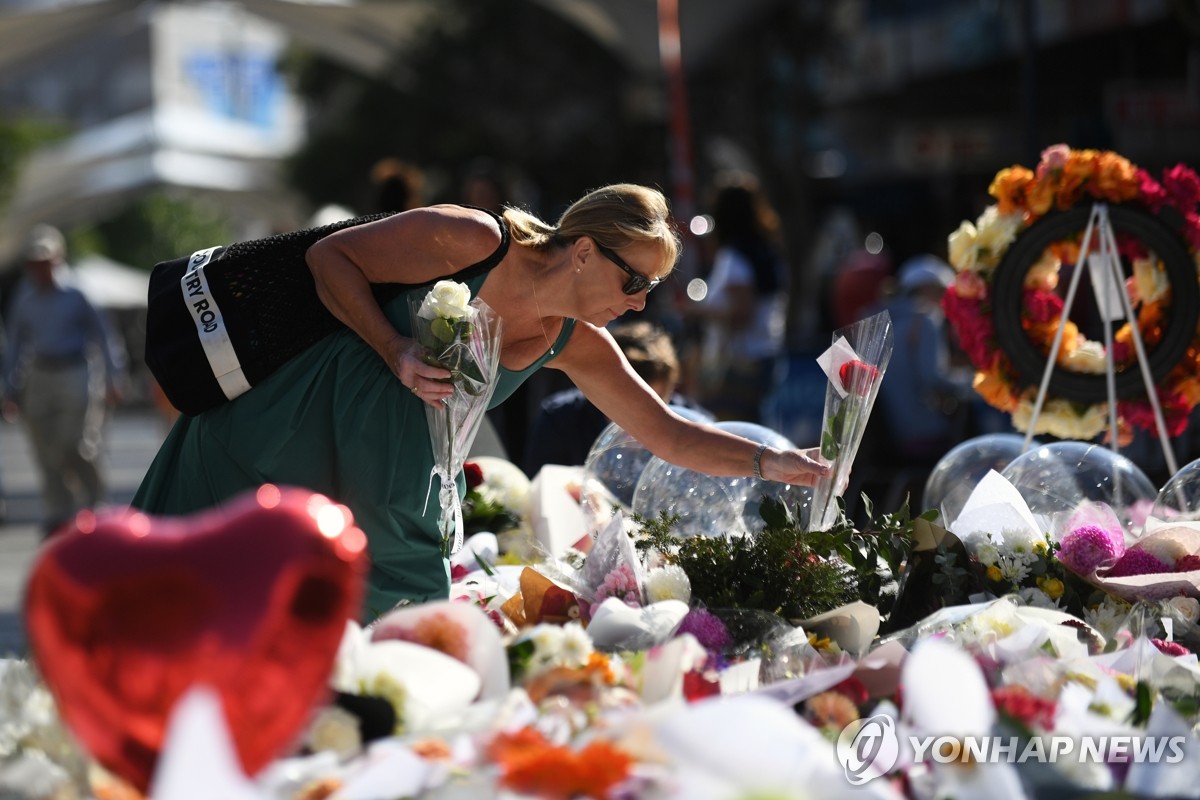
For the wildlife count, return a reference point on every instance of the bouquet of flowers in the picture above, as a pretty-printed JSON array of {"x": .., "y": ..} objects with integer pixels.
[
  {"x": 855, "y": 364},
  {"x": 462, "y": 335}
]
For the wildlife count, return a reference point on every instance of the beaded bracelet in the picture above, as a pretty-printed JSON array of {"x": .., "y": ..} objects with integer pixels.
[{"x": 758, "y": 454}]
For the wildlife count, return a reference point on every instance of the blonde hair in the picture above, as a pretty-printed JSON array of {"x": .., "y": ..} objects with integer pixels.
[{"x": 614, "y": 216}]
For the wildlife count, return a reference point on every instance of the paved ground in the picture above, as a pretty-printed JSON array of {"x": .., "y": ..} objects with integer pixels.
[{"x": 133, "y": 438}]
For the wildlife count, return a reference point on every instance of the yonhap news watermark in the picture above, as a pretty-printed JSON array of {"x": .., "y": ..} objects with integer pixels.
[{"x": 872, "y": 747}]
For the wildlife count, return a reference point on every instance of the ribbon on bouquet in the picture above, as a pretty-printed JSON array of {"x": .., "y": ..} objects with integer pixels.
[{"x": 451, "y": 505}]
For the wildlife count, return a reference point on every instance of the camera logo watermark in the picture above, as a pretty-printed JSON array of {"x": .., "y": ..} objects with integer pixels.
[{"x": 869, "y": 748}]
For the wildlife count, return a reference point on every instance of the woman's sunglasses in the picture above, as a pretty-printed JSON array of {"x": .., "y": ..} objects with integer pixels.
[{"x": 637, "y": 282}]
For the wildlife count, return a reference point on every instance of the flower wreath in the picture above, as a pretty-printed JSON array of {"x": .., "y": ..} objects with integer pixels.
[{"x": 1064, "y": 182}]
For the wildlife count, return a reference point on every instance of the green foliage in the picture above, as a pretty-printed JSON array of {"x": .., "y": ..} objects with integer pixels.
[
  {"x": 18, "y": 139},
  {"x": 157, "y": 227},
  {"x": 875, "y": 553},
  {"x": 486, "y": 514},
  {"x": 776, "y": 570},
  {"x": 479, "y": 81}
]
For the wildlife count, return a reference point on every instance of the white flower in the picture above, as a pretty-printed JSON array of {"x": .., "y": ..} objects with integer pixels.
[
  {"x": 547, "y": 646},
  {"x": 994, "y": 232},
  {"x": 669, "y": 582},
  {"x": 1188, "y": 608},
  {"x": 1037, "y": 598},
  {"x": 1059, "y": 418},
  {"x": 1088, "y": 357},
  {"x": 1108, "y": 616},
  {"x": 336, "y": 730},
  {"x": 447, "y": 300},
  {"x": 1013, "y": 569},
  {"x": 575, "y": 646},
  {"x": 961, "y": 248},
  {"x": 987, "y": 553}
]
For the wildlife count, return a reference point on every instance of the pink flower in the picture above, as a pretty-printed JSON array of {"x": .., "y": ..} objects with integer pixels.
[
  {"x": 973, "y": 328},
  {"x": 1137, "y": 562},
  {"x": 1042, "y": 306},
  {"x": 620, "y": 583},
  {"x": 970, "y": 286},
  {"x": 1191, "y": 229},
  {"x": 1183, "y": 186},
  {"x": 1153, "y": 195},
  {"x": 1089, "y": 547},
  {"x": 1054, "y": 158},
  {"x": 1170, "y": 648}
]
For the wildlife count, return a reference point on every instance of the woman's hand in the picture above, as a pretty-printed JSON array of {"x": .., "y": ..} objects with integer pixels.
[
  {"x": 428, "y": 382},
  {"x": 800, "y": 467}
]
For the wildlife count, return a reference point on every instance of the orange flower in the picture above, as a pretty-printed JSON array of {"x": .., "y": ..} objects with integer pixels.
[
  {"x": 832, "y": 709},
  {"x": 1189, "y": 387},
  {"x": 440, "y": 632},
  {"x": 558, "y": 773},
  {"x": 1039, "y": 198},
  {"x": 1116, "y": 179},
  {"x": 1008, "y": 187},
  {"x": 995, "y": 389},
  {"x": 507, "y": 747},
  {"x": 432, "y": 749},
  {"x": 1079, "y": 169}
]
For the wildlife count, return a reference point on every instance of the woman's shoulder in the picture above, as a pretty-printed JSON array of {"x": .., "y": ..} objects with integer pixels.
[{"x": 469, "y": 227}]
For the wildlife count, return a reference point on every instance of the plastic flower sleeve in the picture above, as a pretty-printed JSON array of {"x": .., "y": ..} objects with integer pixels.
[
  {"x": 855, "y": 365},
  {"x": 466, "y": 341}
]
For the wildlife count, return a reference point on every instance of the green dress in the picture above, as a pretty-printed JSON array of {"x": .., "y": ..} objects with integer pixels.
[{"x": 334, "y": 420}]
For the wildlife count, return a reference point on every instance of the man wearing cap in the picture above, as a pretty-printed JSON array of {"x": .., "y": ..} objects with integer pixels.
[{"x": 56, "y": 343}]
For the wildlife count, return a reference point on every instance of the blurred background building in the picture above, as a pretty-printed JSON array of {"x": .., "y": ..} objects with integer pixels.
[{"x": 149, "y": 128}]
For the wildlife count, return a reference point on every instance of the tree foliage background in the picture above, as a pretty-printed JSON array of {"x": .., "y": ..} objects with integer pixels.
[{"x": 505, "y": 81}]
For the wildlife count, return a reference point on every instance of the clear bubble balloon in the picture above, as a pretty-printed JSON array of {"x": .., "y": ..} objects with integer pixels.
[
  {"x": 613, "y": 465},
  {"x": 1180, "y": 496},
  {"x": 1056, "y": 478},
  {"x": 712, "y": 506},
  {"x": 960, "y": 471}
]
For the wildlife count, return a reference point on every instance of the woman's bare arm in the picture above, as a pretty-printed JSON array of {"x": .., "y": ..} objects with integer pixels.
[
  {"x": 594, "y": 362},
  {"x": 413, "y": 247}
]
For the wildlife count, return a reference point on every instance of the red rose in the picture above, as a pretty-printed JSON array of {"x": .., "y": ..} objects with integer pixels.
[
  {"x": 1024, "y": 706},
  {"x": 473, "y": 473},
  {"x": 857, "y": 377}
]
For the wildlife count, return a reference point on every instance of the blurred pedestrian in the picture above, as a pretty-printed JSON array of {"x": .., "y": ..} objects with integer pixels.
[
  {"x": 924, "y": 399},
  {"x": 62, "y": 365},
  {"x": 567, "y": 424},
  {"x": 745, "y": 305},
  {"x": 398, "y": 185}
]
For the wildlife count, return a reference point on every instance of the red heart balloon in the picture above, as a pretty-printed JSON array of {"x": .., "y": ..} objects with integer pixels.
[{"x": 125, "y": 612}]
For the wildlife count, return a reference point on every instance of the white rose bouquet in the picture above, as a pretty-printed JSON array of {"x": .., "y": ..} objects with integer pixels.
[{"x": 460, "y": 334}]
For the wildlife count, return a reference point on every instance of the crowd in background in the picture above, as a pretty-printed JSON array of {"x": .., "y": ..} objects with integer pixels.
[{"x": 722, "y": 347}]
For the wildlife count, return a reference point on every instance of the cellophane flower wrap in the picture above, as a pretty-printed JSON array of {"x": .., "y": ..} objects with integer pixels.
[
  {"x": 461, "y": 334},
  {"x": 855, "y": 364}
]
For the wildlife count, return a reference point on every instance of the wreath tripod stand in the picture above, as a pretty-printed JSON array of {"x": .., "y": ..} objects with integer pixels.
[{"x": 1104, "y": 266}]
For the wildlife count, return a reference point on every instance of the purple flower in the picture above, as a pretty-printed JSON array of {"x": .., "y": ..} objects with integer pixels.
[
  {"x": 1137, "y": 562},
  {"x": 707, "y": 628},
  {"x": 1089, "y": 547}
]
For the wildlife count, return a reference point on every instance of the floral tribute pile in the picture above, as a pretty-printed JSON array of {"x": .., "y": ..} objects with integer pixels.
[
  {"x": 1062, "y": 179},
  {"x": 647, "y": 665}
]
